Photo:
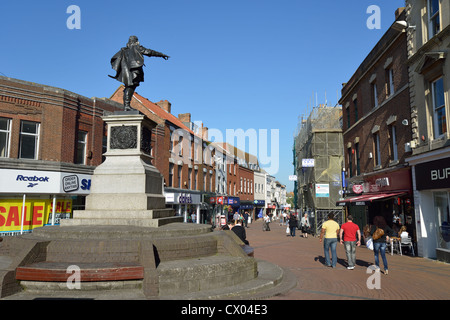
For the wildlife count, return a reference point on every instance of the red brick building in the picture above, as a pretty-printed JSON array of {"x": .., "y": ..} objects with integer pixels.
[
  {"x": 53, "y": 137},
  {"x": 60, "y": 118},
  {"x": 183, "y": 156},
  {"x": 377, "y": 129}
]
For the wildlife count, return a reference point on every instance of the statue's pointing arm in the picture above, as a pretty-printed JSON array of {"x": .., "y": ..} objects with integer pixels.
[{"x": 153, "y": 53}]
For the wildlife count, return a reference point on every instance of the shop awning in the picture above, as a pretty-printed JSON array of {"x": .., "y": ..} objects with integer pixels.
[{"x": 368, "y": 198}]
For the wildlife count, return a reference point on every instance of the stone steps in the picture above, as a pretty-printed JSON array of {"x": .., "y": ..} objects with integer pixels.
[
  {"x": 150, "y": 223},
  {"x": 120, "y": 214},
  {"x": 271, "y": 281},
  {"x": 177, "y": 260},
  {"x": 206, "y": 273}
]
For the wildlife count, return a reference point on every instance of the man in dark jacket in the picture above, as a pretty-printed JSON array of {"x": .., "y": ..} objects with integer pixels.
[
  {"x": 293, "y": 223},
  {"x": 128, "y": 63},
  {"x": 240, "y": 232}
]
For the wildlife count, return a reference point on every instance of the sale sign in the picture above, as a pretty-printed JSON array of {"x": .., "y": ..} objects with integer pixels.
[{"x": 36, "y": 213}]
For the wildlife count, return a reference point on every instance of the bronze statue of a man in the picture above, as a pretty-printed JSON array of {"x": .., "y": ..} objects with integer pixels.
[{"x": 128, "y": 63}]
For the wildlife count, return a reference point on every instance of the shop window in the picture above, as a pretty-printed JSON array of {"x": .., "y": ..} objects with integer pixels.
[
  {"x": 29, "y": 140},
  {"x": 434, "y": 22},
  {"x": 81, "y": 148},
  {"x": 5, "y": 137},
  {"x": 442, "y": 210},
  {"x": 440, "y": 119}
]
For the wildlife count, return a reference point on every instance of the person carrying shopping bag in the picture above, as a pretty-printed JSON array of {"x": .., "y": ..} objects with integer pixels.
[{"x": 380, "y": 232}]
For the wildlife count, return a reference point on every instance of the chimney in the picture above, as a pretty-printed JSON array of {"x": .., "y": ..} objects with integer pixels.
[
  {"x": 398, "y": 12},
  {"x": 205, "y": 133},
  {"x": 185, "y": 117},
  {"x": 164, "y": 104}
]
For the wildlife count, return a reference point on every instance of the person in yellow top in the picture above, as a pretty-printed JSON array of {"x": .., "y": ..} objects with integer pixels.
[{"x": 330, "y": 229}]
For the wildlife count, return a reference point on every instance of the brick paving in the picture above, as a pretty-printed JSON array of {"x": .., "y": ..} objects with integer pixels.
[{"x": 409, "y": 278}]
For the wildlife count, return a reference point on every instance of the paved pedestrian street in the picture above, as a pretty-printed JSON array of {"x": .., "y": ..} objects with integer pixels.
[{"x": 409, "y": 278}]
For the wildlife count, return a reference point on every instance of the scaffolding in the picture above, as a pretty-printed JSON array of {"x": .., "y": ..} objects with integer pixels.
[{"x": 319, "y": 137}]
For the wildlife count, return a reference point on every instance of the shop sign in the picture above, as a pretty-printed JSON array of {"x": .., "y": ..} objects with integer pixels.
[
  {"x": 170, "y": 197},
  {"x": 43, "y": 182},
  {"x": 37, "y": 213},
  {"x": 233, "y": 201},
  {"x": 322, "y": 190},
  {"x": 212, "y": 200},
  {"x": 433, "y": 174},
  {"x": 357, "y": 188},
  {"x": 259, "y": 202},
  {"x": 392, "y": 181},
  {"x": 185, "y": 199},
  {"x": 219, "y": 200},
  {"x": 382, "y": 182},
  {"x": 182, "y": 198}
]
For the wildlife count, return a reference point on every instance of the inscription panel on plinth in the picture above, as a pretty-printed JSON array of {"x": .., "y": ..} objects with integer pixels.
[{"x": 123, "y": 137}]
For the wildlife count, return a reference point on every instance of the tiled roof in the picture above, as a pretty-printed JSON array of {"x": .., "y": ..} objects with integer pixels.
[{"x": 160, "y": 112}]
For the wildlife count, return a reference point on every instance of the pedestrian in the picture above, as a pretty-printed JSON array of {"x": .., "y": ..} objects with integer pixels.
[
  {"x": 379, "y": 244},
  {"x": 292, "y": 224},
  {"x": 304, "y": 223},
  {"x": 348, "y": 234},
  {"x": 239, "y": 230},
  {"x": 245, "y": 219},
  {"x": 236, "y": 216},
  {"x": 330, "y": 229},
  {"x": 266, "y": 223}
]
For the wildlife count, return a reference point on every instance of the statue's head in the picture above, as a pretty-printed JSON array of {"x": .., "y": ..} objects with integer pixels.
[{"x": 132, "y": 41}]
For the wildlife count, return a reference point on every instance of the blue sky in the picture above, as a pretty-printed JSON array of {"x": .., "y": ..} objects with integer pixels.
[{"x": 235, "y": 64}]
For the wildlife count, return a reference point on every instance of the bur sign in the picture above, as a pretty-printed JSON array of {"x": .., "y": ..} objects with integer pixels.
[{"x": 74, "y": 20}]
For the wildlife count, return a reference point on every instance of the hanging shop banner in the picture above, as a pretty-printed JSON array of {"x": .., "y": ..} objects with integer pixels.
[
  {"x": 322, "y": 190},
  {"x": 43, "y": 182},
  {"x": 37, "y": 213}
]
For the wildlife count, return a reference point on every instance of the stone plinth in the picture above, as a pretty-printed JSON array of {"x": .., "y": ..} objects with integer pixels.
[{"x": 126, "y": 188}]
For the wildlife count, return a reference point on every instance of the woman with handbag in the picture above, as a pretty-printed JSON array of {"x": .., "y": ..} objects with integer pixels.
[{"x": 380, "y": 232}]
